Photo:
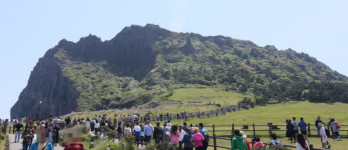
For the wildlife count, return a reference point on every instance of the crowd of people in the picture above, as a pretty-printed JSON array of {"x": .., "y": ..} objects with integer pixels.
[{"x": 183, "y": 137}]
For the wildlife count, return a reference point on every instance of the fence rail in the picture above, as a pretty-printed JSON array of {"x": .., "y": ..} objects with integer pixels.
[{"x": 254, "y": 131}]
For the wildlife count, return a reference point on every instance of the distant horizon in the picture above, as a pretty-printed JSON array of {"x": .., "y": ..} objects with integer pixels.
[{"x": 318, "y": 28}]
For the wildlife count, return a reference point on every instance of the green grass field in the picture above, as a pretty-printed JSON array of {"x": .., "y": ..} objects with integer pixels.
[{"x": 194, "y": 100}]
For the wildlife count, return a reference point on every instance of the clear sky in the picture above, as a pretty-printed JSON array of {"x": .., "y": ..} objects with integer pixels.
[{"x": 29, "y": 28}]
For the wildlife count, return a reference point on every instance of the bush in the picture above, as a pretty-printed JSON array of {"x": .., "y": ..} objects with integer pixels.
[
  {"x": 84, "y": 129},
  {"x": 86, "y": 137},
  {"x": 112, "y": 134},
  {"x": 162, "y": 146},
  {"x": 2, "y": 136}
]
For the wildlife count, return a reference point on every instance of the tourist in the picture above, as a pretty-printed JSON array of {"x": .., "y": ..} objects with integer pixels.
[
  {"x": 187, "y": 140},
  {"x": 27, "y": 138},
  {"x": 294, "y": 123},
  {"x": 238, "y": 142},
  {"x": 198, "y": 139},
  {"x": 49, "y": 134},
  {"x": 96, "y": 127},
  {"x": 302, "y": 143},
  {"x": 324, "y": 139},
  {"x": 88, "y": 124},
  {"x": 204, "y": 132},
  {"x": 274, "y": 140},
  {"x": 174, "y": 135},
  {"x": 317, "y": 125},
  {"x": 18, "y": 128},
  {"x": 55, "y": 135},
  {"x": 158, "y": 133},
  {"x": 166, "y": 133},
  {"x": 335, "y": 129},
  {"x": 245, "y": 139},
  {"x": 290, "y": 130},
  {"x": 148, "y": 130},
  {"x": 92, "y": 125},
  {"x": 137, "y": 131},
  {"x": 182, "y": 133},
  {"x": 142, "y": 134},
  {"x": 257, "y": 143},
  {"x": 5, "y": 126},
  {"x": 303, "y": 126},
  {"x": 127, "y": 130}
]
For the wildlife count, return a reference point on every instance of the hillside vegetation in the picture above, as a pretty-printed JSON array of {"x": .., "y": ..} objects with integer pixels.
[{"x": 143, "y": 64}]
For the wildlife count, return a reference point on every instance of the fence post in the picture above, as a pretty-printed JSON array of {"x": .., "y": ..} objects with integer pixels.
[
  {"x": 310, "y": 146},
  {"x": 309, "y": 130},
  {"x": 9, "y": 131},
  {"x": 270, "y": 129},
  {"x": 254, "y": 129},
  {"x": 232, "y": 127},
  {"x": 214, "y": 137}
]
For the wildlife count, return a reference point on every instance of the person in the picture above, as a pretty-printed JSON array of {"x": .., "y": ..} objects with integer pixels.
[
  {"x": 335, "y": 129},
  {"x": 294, "y": 123},
  {"x": 257, "y": 143},
  {"x": 92, "y": 125},
  {"x": 324, "y": 138},
  {"x": 142, "y": 134},
  {"x": 274, "y": 140},
  {"x": 49, "y": 134},
  {"x": 96, "y": 127},
  {"x": 245, "y": 139},
  {"x": 198, "y": 139},
  {"x": 317, "y": 125},
  {"x": 18, "y": 127},
  {"x": 55, "y": 136},
  {"x": 166, "y": 133},
  {"x": 88, "y": 124},
  {"x": 290, "y": 130},
  {"x": 238, "y": 142},
  {"x": 174, "y": 136},
  {"x": 158, "y": 133},
  {"x": 137, "y": 131},
  {"x": 303, "y": 127},
  {"x": 302, "y": 143},
  {"x": 205, "y": 133},
  {"x": 188, "y": 145},
  {"x": 181, "y": 137},
  {"x": 128, "y": 130},
  {"x": 27, "y": 138},
  {"x": 5, "y": 126},
  {"x": 148, "y": 130}
]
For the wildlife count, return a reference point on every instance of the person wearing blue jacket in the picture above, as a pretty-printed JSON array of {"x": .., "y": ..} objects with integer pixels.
[{"x": 303, "y": 127}]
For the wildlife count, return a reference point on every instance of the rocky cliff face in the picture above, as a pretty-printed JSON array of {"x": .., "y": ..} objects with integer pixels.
[
  {"x": 46, "y": 84},
  {"x": 144, "y": 63}
]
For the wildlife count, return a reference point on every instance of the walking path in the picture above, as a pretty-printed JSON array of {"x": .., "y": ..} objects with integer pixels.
[{"x": 19, "y": 146}]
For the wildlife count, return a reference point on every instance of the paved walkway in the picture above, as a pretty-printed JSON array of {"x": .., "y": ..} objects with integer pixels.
[{"x": 19, "y": 146}]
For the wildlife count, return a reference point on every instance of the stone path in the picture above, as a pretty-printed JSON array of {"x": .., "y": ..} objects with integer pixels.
[{"x": 19, "y": 146}]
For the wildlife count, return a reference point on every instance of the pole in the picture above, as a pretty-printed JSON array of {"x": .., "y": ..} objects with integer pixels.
[
  {"x": 309, "y": 130},
  {"x": 254, "y": 129},
  {"x": 214, "y": 136},
  {"x": 40, "y": 110}
]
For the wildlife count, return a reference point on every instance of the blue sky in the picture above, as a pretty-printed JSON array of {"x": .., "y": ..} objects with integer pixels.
[{"x": 29, "y": 28}]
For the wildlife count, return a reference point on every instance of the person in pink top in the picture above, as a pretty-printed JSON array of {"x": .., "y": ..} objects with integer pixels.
[
  {"x": 174, "y": 136},
  {"x": 198, "y": 138},
  {"x": 258, "y": 143}
]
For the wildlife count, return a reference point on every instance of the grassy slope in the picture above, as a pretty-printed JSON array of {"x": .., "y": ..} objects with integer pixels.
[{"x": 201, "y": 97}]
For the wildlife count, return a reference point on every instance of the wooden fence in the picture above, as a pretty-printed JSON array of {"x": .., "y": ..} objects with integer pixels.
[{"x": 225, "y": 133}]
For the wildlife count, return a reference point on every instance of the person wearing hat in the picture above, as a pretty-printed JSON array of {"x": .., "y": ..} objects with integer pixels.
[
  {"x": 238, "y": 142},
  {"x": 245, "y": 139}
]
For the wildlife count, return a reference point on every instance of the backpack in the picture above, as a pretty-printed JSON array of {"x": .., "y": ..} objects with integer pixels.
[
  {"x": 192, "y": 142},
  {"x": 338, "y": 125}
]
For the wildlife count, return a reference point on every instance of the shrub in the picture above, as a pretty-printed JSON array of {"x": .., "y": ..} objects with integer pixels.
[
  {"x": 112, "y": 134},
  {"x": 2, "y": 136},
  {"x": 86, "y": 137},
  {"x": 84, "y": 129}
]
